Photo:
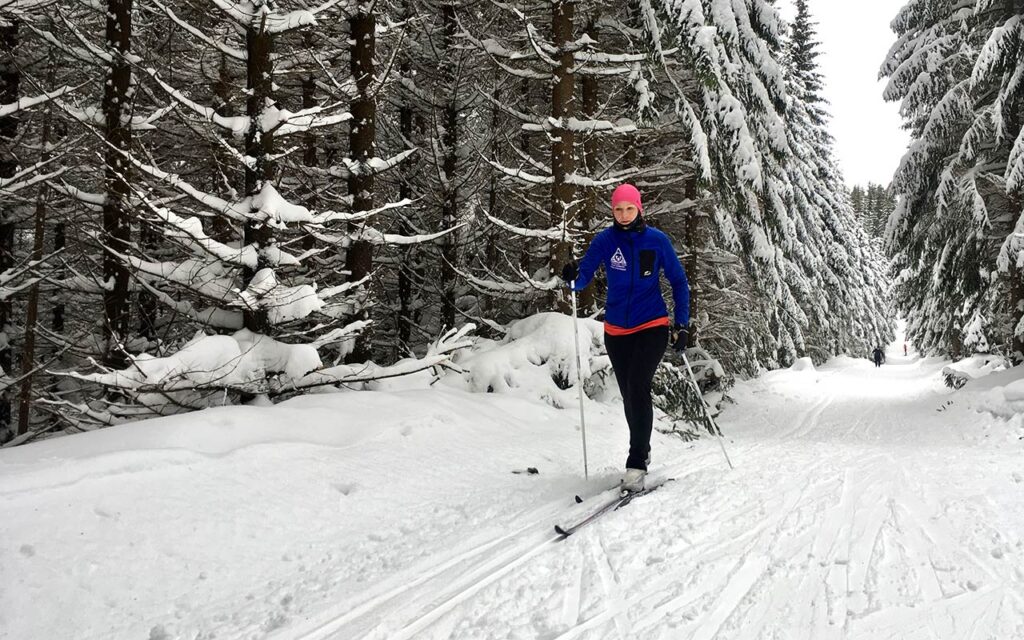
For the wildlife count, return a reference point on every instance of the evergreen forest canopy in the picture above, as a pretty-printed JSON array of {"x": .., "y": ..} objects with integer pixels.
[
  {"x": 956, "y": 238},
  {"x": 209, "y": 201}
]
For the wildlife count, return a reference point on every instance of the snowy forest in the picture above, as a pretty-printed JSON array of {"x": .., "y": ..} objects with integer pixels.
[
  {"x": 301, "y": 335},
  {"x": 216, "y": 202},
  {"x": 221, "y": 202}
]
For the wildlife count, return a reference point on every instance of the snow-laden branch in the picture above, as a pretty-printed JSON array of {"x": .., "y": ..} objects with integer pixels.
[
  {"x": 86, "y": 55},
  {"x": 9, "y": 182},
  {"x": 438, "y": 354},
  {"x": 221, "y": 46},
  {"x": 272, "y": 21},
  {"x": 500, "y": 54},
  {"x": 519, "y": 115},
  {"x": 283, "y": 122},
  {"x": 506, "y": 287},
  {"x": 189, "y": 232},
  {"x": 281, "y": 303},
  {"x": 553, "y": 233},
  {"x": 237, "y": 125},
  {"x": 519, "y": 174},
  {"x": 213, "y": 317},
  {"x": 371, "y": 235},
  {"x": 327, "y": 217},
  {"x": 623, "y": 125},
  {"x": 210, "y": 201},
  {"x": 372, "y": 166},
  {"x": 27, "y": 103},
  {"x": 94, "y": 201},
  {"x": 8, "y": 185}
]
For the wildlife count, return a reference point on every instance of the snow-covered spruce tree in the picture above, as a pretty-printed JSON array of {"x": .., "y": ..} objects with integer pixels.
[
  {"x": 838, "y": 257},
  {"x": 956, "y": 68},
  {"x": 82, "y": 97},
  {"x": 437, "y": 102},
  {"x": 10, "y": 81},
  {"x": 584, "y": 70},
  {"x": 734, "y": 50},
  {"x": 229, "y": 242},
  {"x": 732, "y": 93}
]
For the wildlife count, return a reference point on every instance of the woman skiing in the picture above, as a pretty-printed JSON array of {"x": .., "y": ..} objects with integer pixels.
[{"x": 636, "y": 327}]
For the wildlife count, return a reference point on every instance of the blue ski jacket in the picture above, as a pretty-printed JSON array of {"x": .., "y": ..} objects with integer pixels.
[{"x": 633, "y": 261}]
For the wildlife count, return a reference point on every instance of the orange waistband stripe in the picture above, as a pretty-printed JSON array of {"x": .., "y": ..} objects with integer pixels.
[{"x": 613, "y": 330}]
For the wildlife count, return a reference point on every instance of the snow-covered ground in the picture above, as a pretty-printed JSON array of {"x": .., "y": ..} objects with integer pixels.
[{"x": 866, "y": 503}]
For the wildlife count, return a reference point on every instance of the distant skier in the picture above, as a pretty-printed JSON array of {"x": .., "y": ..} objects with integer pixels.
[
  {"x": 879, "y": 356},
  {"x": 636, "y": 327},
  {"x": 904, "y": 348}
]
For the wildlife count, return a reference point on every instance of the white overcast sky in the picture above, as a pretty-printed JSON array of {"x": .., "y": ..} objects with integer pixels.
[{"x": 854, "y": 38}]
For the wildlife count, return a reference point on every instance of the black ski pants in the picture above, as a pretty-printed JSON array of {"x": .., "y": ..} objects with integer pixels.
[{"x": 635, "y": 359}]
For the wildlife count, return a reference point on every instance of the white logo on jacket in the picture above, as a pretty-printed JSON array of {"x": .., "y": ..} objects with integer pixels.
[{"x": 618, "y": 261}]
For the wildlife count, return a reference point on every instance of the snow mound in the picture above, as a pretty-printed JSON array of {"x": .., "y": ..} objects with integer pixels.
[
  {"x": 803, "y": 364},
  {"x": 1005, "y": 401},
  {"x": 537, "y": 358}
]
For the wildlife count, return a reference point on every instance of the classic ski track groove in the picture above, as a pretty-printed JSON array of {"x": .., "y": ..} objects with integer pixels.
[
  {"x": 483, "y": 576},
  {"x": 334, "y": 624}
]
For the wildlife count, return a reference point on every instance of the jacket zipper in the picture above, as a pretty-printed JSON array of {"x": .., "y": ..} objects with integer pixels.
[{"x": 632, "y": 268}]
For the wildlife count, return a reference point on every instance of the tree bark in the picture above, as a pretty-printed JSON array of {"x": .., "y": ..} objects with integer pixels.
[
  {"x": 362, "y": 147},
  {"x": 116, "y": 216},
  {"x": 28, "y": 354},
  {"x": 406, "y": 273},
  {"x": 588, "y": 213},
  {"x": 449, "y": 142},
  {"x": 259, "y": 145},
  {"x": 10, "y": 80},
  {"x": 563, "y": 193}
]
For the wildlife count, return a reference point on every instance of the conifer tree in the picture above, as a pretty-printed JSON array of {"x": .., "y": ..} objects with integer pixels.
[{"x": 956, "y": 69}]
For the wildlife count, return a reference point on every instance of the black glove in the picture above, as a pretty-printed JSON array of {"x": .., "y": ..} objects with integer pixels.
[
  {"x": 681, "y": 334},
  {"x": 570, "y": 271}
]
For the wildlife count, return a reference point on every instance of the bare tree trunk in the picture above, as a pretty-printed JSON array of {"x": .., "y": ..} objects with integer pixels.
[
  {"x": 406, "y": 273},
  {"x": 259, "y": 145},
  {"x": 450, "y": 142},
  {"x": 116, "y": 216},
  {"x": 59, "y": 242},
  {"x": 524, "y": 146},
  {"x": 225, "y": 177},
  {"x": 10, "y": 79},
  {"x": 28, "y": 356},
  {"x": 587, "y": 214},
  {"x": 362, "y": 147},
  {"x": 563, "y": 193},
  {"x": 310, "y": 143},
  {"x": 491, "y": 248}
]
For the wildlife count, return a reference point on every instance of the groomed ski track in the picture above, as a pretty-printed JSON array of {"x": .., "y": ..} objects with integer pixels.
[{"x": 863, "y": 505}]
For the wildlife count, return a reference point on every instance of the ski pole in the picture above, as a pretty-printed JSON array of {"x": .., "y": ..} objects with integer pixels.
[
  {"x": 707, "y": 409},
  {"x": 579, "y": 377}
]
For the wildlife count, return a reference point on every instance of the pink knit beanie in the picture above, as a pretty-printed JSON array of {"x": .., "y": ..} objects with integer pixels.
[{"x": 627, "y": 193}]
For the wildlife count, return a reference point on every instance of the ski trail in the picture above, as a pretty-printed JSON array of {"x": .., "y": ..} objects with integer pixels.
[
  {"x": 335, "y": 624},
  {"x": 738, "y": 586},
  {"x": 840, "y": 528},
  {"x": 473, "y": 583},
  {"x": 807, "y": 420},
  {"x": 571, "y": 603},
  {"x": 610, "y": 585}
]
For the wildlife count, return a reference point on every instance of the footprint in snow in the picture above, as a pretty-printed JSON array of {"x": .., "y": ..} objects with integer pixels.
[
  {"x": 27, "y": 550},
  {"x": 344, "y": 488}
]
